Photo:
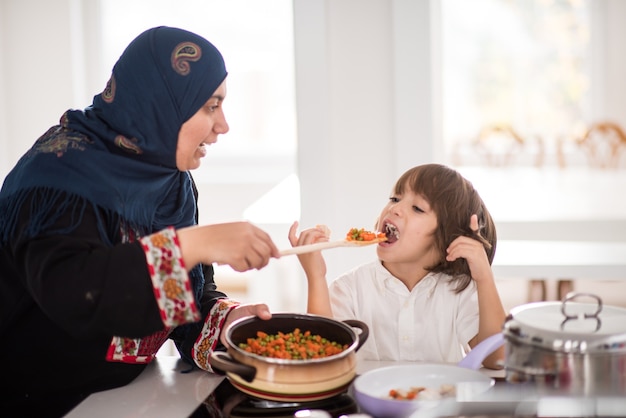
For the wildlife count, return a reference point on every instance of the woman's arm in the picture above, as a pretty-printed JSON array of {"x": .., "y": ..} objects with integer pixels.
[{"x": 241, "y": 245}]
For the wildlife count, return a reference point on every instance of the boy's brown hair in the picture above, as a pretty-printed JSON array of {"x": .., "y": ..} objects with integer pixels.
[{"x": 454, "y": 200}]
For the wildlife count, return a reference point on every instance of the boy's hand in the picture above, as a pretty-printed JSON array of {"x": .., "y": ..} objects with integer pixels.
[
  {"x": 473, "y": 252},
  {"x": 313, "y": 263}
]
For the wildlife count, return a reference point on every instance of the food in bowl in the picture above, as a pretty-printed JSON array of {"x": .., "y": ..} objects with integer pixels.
[
  {"x": 422, "y": 393},
  {"x": 292, "y": 345},
  {"x": 371, "y": 389}
]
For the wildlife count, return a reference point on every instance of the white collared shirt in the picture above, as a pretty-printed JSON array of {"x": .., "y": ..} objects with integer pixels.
[{"x": 431, "y": 323}]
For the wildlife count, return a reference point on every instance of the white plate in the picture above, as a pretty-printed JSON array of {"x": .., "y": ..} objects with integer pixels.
[{"x": 372, "y": 388}]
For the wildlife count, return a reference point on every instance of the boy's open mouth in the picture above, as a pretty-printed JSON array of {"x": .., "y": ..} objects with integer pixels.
[{"x": 392, "y": 233}]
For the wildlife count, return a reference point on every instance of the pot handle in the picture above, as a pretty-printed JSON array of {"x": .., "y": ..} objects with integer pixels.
[
  {"x": 224, "y": 362},
  {"x": 474, "y": 359},
  {"x": 365, "y": 331}
]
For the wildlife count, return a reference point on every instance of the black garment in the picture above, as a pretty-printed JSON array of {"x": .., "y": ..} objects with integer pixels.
[{"x": 62, "y": 299}]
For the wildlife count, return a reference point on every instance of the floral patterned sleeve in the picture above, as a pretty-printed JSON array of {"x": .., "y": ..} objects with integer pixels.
[
  {"x": 172, "y": 291},
  {"x": 208, "y": 339},
  {"x": 174, "y": 295},
  {"x": 171, "y": 284}
]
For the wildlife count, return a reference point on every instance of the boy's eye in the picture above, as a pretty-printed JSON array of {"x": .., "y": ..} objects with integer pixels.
[
  {"x": 394, "y": 199},
  {"x": 418, "y": 209}
]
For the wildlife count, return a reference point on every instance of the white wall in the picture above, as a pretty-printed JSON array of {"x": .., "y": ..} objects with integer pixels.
[
  {"x": 615, "y": 64},
  {"x": 364, "y": 97},
  {"x": 41, "y": 74},
  {"x": 5, "y": 157},
  {"x": 36, "y": 69},
  {"x": 367, "y": 84}
]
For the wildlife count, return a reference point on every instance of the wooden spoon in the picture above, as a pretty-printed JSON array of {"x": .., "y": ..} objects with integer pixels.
[{"x": 302, "y": 249}]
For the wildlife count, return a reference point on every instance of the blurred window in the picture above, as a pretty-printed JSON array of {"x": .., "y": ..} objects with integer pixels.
[{"x": 518, "y": 63}]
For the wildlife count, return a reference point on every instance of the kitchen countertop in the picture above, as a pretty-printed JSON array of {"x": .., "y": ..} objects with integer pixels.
[
  {"x": 542, "y": 259},
  {"x": 161, "y": 391},
  {"x": 164, "y": 391},
  {"x": 525, "y": 401}
]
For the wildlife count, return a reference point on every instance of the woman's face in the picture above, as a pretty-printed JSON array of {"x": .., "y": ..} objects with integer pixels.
[
  {"x": 410, "y": 224},
  {"x": 200, "y": 131}
]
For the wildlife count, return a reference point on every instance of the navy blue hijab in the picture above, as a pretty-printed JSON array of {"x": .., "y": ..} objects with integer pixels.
[{"x": 119, "y": 154}]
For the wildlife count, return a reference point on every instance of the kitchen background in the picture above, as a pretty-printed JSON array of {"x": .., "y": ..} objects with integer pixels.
[{"x": 329, "y": 101}]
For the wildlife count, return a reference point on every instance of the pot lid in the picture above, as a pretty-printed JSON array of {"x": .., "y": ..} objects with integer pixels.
[{"x": 572, "y": 326}]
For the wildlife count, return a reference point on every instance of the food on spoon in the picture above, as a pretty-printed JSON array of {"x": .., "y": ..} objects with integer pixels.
[
  {"x": 356, "y": 234},
  {"x": 354, "y": 238},
  {"x": 295, "y": 345}
]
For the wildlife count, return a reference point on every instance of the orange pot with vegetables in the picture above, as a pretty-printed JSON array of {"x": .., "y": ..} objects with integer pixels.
[{"x": 291, "y": 357}]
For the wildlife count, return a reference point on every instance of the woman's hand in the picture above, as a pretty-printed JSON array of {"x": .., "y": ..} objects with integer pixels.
[
  {"x": 313, "y": 262},
  {"x": 260, "y": 309},
  {"x": 241, "y": 245},
  {"x": 473, "y": 252}
]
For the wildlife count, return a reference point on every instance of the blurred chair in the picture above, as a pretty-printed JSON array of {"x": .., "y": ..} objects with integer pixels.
[
  {"x": 603, "y": 144},
  {"x": 499, "y": 145}
]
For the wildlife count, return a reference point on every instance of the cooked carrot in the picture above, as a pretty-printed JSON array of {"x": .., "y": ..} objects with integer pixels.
[{"x": 409, "y": 395}]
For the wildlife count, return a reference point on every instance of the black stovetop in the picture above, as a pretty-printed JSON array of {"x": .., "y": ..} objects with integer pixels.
[
  {"x": 504, "y": 400},
  {"x": 228, "y": 402}
]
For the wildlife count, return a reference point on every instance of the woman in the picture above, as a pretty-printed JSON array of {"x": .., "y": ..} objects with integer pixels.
[{"x": 101, "y": 258}]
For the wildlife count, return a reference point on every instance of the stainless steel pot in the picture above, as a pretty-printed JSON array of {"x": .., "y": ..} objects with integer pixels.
[
  {"x": 574, "y": 347},
  {"x": 291, "y": 380}
]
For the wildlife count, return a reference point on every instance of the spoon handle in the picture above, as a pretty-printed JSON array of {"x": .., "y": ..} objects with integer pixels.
[
  {"x": 328, "y": 244},
  {"x": 312, "y": 247}
]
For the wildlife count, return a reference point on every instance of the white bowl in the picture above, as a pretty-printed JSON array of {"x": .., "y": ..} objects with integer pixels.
[{"x": 371, "y": 389}]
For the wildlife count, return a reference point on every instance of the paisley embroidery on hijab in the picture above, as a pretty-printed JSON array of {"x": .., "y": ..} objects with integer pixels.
[
  {"x": 128, "y": 145},
  {"x": 109, "y": 91},
  {"x": 57, "y": 140},
  {"x": 182, "y": 54}
]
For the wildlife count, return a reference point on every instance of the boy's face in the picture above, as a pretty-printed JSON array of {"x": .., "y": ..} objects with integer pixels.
[{"x": 410, "y": 224}]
